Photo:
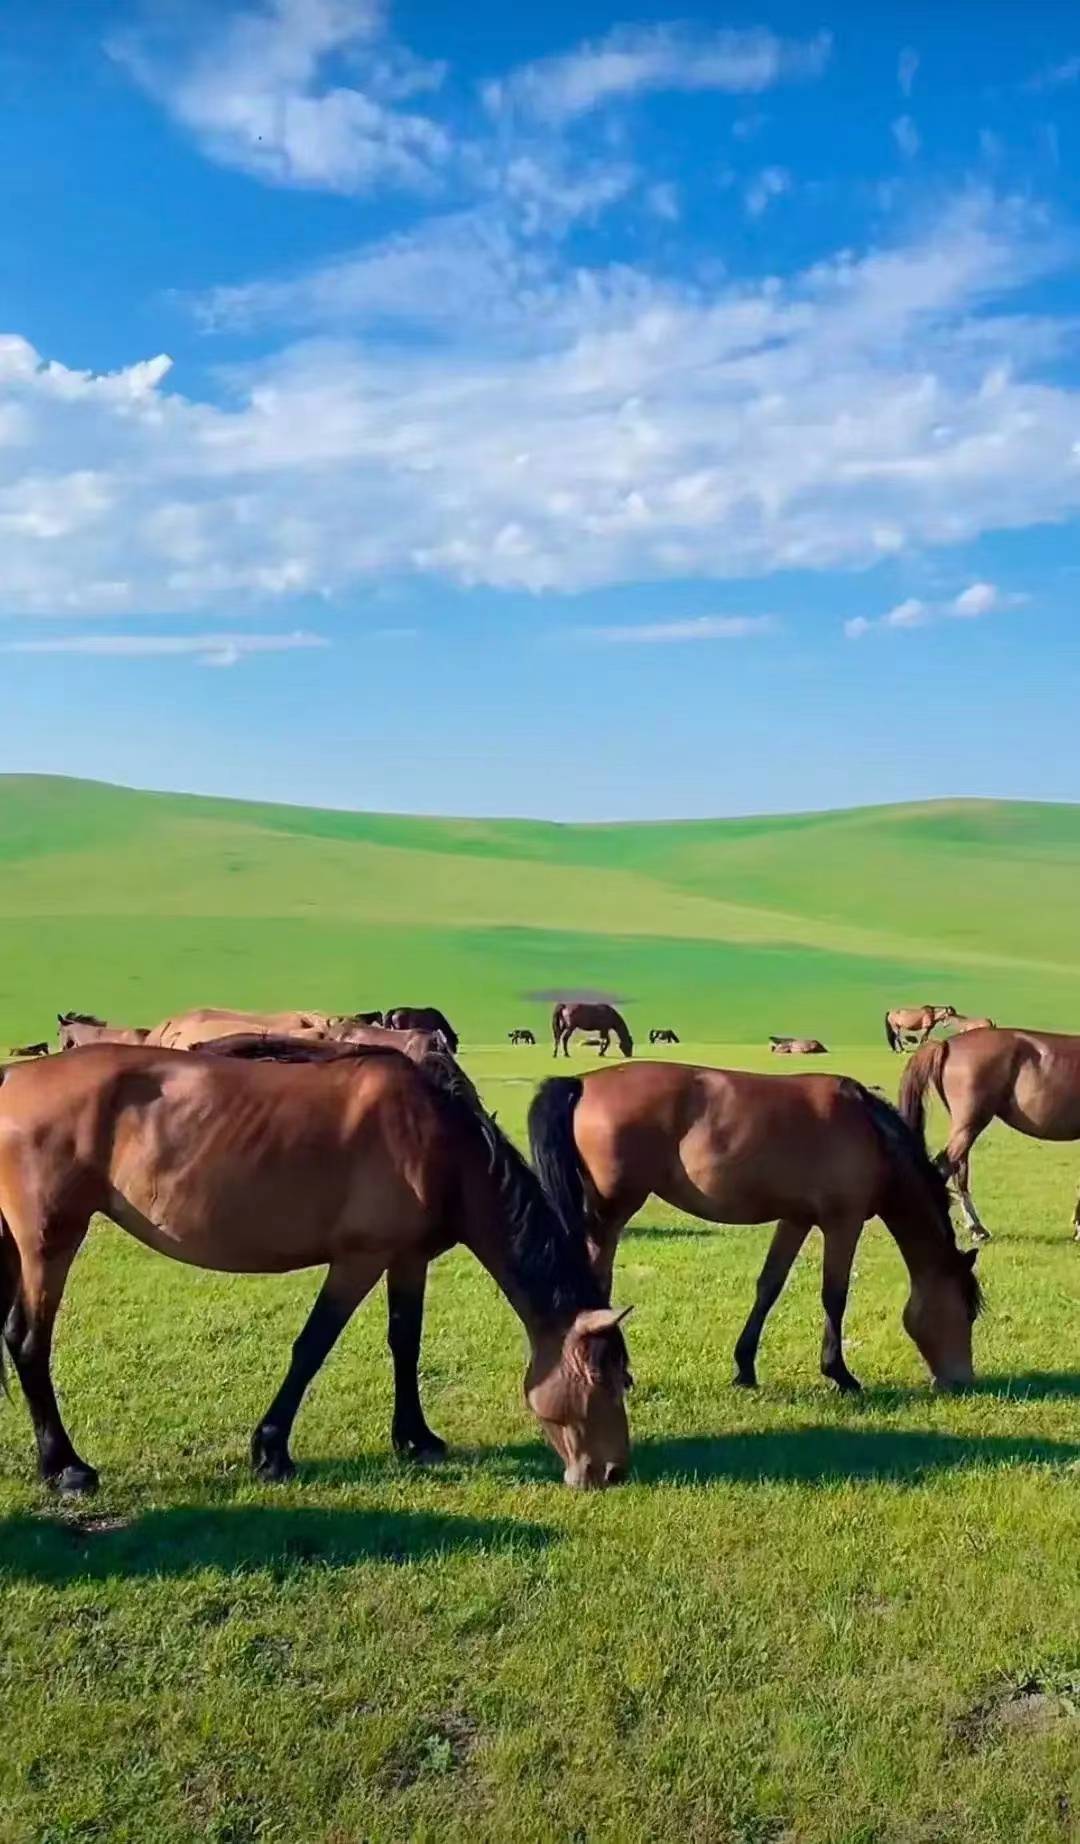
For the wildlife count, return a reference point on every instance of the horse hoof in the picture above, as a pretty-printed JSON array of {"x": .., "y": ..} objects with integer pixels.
[
  {"x": 272, "y": 1464},
  {"x": 421, "y": 1450},
  {"x": 744, "y": 1379},
  {"x": 848, "y": 1385},
  {"x": 76, "y": 1481}
]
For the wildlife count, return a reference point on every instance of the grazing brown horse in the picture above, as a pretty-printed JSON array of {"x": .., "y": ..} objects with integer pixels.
[
  {"x": 1028, "y": 1079},
  {"x": 797, "y": 1046},
  {"x": 422, "y": 1018},
  {"x": 74, "y": 1029},
  {"x": 521, "y": 1037},
  {"x": 914, "y": 1021},
  {"x": 663, "y": 1036},
  {"x": 736, "y": 1147},
  {"x": 589, "y": 1015},
  {"x": 361, "y": 1162}
]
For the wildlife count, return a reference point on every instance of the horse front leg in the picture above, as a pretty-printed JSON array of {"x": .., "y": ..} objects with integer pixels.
[
  {"x": 406, "y": 1281},
  {"x": 788, "y": 1238},
  {"x": 841, "y": 1238},
  {"x": 346, "y": 1284},
  {"x": 28, "y": 1333}
]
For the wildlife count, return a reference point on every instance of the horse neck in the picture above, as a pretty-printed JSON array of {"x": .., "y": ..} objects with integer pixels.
[
  {"x": 911, "y": 1221},
  {"x": 542, "y": 1308}
]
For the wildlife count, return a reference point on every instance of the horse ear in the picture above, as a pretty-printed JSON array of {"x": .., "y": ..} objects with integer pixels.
[{"x": 601, "y": 1319}]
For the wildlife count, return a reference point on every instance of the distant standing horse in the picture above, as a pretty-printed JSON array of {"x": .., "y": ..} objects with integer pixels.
[
  {"x": 663, "y": 1037},
  {"x": 736, "y": 1147},
  {"x": 1028, "y": 1079},
  {"x": 914, "y": 1021},
  {"x": 585, "y": 1015}
]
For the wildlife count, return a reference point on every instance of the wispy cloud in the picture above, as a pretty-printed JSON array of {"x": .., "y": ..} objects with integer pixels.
[
  {"x": 633, "y": 60},
  {"x": 907, "y": 136},
  {"x": 1057, "y": 76},
  {"x": 906, "y": 68},
  {"x": 771, "y": 183},
  {"x": 672, "y": 633},
  {"x": 205, "y": 649},
  {"x": 260, "y": 90},
  {"x": 976, "y": 600}
]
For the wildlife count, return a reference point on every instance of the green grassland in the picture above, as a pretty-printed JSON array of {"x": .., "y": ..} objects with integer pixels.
[
  {"x": 134, "y": 904},
  {"x": 805, "y": 1620}
]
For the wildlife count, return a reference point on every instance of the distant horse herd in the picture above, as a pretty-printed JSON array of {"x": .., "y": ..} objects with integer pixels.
[{"x": 265, "y": 1142}]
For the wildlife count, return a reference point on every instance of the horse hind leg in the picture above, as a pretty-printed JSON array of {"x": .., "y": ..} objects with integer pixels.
[
  {"x": 841, "y": 1238},
  {"x": 788, "y": 1238},
  {"x": 973, "y": 1223},
  {"x": 40, "y": 1279}
]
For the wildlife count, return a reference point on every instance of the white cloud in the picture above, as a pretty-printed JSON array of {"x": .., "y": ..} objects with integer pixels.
[
  {"x": 570, "y": 428},
  {"x": 1057, "y": 76},
  {"x": 258, "y": 89},
  {"x": 906, "y": 67},
  {"x": 976, "y": 600},
  {"x": 663, "y": 201},
  {"x": 771, "y": 183},
  {"x": 911, "y": 613},
  {"x": 633, "y": 60},
  {"x": 696, "y": 627},
  {"x": 205, "y": 649},
  {"x": 906, "y": 136}
]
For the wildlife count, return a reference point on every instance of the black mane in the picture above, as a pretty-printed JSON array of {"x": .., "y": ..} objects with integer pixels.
[{"x": 79, "y": 1018}]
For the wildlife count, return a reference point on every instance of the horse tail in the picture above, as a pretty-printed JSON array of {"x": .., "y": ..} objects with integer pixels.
[
  {"x": 892, "y": 1038},
  {"x": 554, "y": 1150},
  {"x": 556, "y": 1027},
  {"x": 924, "y": 1068}
]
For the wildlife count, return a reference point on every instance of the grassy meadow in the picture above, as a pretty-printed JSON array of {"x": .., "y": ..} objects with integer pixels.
[{"x": 805, "y": 1620}]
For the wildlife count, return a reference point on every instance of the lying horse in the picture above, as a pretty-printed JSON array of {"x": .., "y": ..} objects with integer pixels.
[
  {"x": 78, "y": 1028},
  {"x": 736, "y": 1147},
  {"x": 664, "y": 1036},
  {"x": 29, "y": 1050},
  {"x": 521, "y": 1037},
  {"x": 914, "y": 1021},
  {"x": 1028, "y": 1079},
  {"x": 961, "y": 1025},
  {"x": 797, "y": 1046},
  {"x": 362, "y": 1162},
  {"x": 422, "y": 1018},
  {"x": 588, "y": 1015},
  {"x": 185, "y": 1029}
]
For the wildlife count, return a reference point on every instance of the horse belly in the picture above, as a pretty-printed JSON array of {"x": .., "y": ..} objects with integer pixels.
[{"x": 1046, "y": 1103}]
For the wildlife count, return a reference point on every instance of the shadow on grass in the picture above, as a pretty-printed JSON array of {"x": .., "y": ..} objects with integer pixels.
[
  {"x": 829, "y": 1455},
  {"x": 241, "y": 1539},
  {"x": 674, "y": 1232}
]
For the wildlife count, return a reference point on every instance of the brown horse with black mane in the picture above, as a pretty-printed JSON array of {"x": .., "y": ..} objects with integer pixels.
[
  {"x": 359, "y": 1161},
  {"x": 1028, "y": 1079},
  {"x": 421, "y": 1018},
  {"x": 589, "y": 1015},
  {"x": 735, "y": 1147}
]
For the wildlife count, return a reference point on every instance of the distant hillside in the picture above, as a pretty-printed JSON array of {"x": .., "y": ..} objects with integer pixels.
[{"x": 132, "y": 903}]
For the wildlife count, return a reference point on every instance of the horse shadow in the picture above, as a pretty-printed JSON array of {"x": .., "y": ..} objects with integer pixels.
[
  {"x": 243, "y": 1539},
  {"x": 818, "y": 1455}
]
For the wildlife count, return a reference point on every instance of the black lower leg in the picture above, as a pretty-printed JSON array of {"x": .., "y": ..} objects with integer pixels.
[
  {"x": 270, "y": 1442},
  {"x": 786, "y": 1243},
  {"x": 410, "y": 1434},
  {"x": 30, "y": 1345},
  {"x": 834, "y": 1300}
]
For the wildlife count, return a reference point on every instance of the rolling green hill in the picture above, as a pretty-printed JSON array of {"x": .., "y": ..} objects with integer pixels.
[{"x": 132, "y": 904}]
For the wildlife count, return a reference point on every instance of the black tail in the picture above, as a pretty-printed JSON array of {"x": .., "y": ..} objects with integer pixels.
[
  {"x": 554, "y": 1150},
  {"x": 892, "y": 1038}
]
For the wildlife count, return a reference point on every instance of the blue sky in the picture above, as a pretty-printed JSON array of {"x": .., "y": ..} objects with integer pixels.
[{"x": 579, "y": 411}]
